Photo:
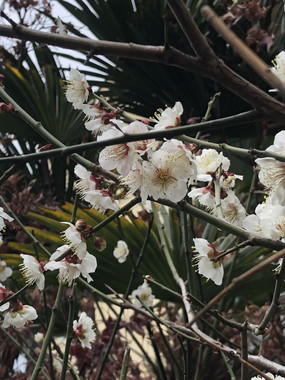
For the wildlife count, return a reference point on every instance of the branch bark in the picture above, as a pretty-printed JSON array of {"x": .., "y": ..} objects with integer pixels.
[{"x": 216, "y": 70}]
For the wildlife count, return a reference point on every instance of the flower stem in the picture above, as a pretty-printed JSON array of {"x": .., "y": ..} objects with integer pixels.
[
  {"x": 69, "y": 334},
  {"x": 49, "y": 332}
]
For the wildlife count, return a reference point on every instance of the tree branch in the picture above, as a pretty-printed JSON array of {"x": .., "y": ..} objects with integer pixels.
[
  {"x": 191, "y": 31},
  {"x": 216, "y": 70},
  {"x": 257, "y": 64}
]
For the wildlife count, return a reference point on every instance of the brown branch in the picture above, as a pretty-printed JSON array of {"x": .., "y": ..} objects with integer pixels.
[
  {"x": 215, "y": 70},
  {"x": 191, "y": 31},
  {"x": 257, "y": 64}
]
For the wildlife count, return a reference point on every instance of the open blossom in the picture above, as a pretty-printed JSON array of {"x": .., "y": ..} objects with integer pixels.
[
  {"x": 4, "y": 216},
  {"x": 5, "y": 271},
  {"x": 170, "y": 117},
  {"x": 121, "y": 251},
  {"x": 167, "y": 173},
  {"x": 205, "y": 196},
  {"x": 4, "y": 293},
  {"x": 273, "y": 377},
  {"x": 18, "y": 315},
  {"x": 124, "y": 156},
  {"x": 268, "y": 221},
  {"x": 144, "y": 294},
  {"x": 208, "y": 162},
  {"x": 232, "y": 210},
  {"x": 208, "y": 268},
  {"x": 77, "y": 89},
  {"x": 84, "y": 330},
  {"x": 101, "y": 200},
  {"x": 86, "y": 181},
  {"x": 272, "y": 176},
  {"x": 74, "y": 238},
  {"x": 120, "y": 157},
  {"x": 279, "y": 66},
  {"x": 72, "y": 266},
  {"x": 33, "y": 270}
]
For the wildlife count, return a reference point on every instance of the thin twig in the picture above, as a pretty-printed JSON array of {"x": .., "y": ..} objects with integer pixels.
[
  {"x": 106, "y": 352},
  {"x": 274, "y": 303},
  {"x": 69, "y": 333},
  {"x": 252, "y": 59},
  {"x": 244, "y": 351},
  {"x": 48, "y": 336}
]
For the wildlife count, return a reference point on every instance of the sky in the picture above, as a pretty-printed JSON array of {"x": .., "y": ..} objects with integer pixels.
[{"x": 57, "y": 11}]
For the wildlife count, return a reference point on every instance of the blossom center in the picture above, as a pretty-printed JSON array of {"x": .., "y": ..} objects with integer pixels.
[
  {"x": 163, "y": 176},
  {"x": 73, "y": 259}
]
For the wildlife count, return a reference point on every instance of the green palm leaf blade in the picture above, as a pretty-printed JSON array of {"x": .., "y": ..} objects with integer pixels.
[
  {"x": 152, "y": 85},
  {"x": 41, "y": 94}
]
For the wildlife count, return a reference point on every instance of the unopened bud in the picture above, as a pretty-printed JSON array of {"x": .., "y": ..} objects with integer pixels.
[
  {"x": 6, "y": 107},
  {"x": 100, "y": 244}
]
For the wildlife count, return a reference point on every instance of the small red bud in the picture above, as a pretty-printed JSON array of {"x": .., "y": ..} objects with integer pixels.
[
  {"x": 100, "y": 244},
  {"x": 6, "y": 107}
]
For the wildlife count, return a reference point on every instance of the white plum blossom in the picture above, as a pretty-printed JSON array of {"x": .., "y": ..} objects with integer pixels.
[
  {"x": 204, "y": 195},
  {"x": 272, "y": 171},
  {"x": 4, "y": 216},
  {"x": 77, "y": 89},
  {"x": 4, "y": 293},
  {"x": 144, "y": 294},
  {"x": 232, "y": 210},
  {"x": 208, "y": 162},
  {"x": 134, "y": 179},
  {"x": 124, "y": 156},
  {"x": 19, "y": 315},
  {"x": 72, "y": 266},
  {"x": 86, "y": 181},
  {"x": 268, "y": 221},
  {"x": 5, "y": 271},
  {"x": 272, "y": 176},
  {"x": 208, "y": 268},
  {"x": 279, "y": 66},
  {"x": 33, "y": 270},
  {"x": 278, "y": 145},
  {"x": 273, "y": 377},
  {"x": 121, "y": 251},
  {"x": 84, "y": 330},
  {"x": 169, "y": 118},
  {"x": 121, "y": 156},
  {"x": 75, "y": 240},
  {"x": 101, "y": 200},
  {"x": 167, "y": 173}
]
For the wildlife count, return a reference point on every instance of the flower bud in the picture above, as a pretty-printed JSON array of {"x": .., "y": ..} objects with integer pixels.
[{"x": 100, "y": 244}]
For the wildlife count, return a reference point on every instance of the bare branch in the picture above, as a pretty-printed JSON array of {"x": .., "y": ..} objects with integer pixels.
[
  {"x": 191, "y": 31},
  {"x": 256, "y": 63}
]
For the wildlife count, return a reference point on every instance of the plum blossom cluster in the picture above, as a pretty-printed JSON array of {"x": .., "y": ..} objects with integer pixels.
[
  {"x": 71, "y": 259},
  {"x": 269, "y": 217},
  {"x": 153, "y": 168}
]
